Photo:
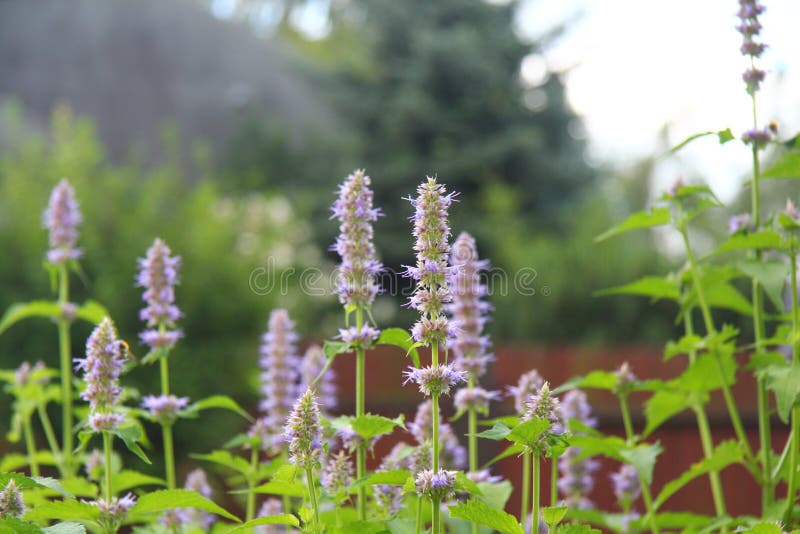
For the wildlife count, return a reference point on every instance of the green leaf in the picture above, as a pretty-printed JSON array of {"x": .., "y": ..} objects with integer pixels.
[
  {"x": 465, "y": 484},
  {"x": 661, "y": 406},
  {"x": 609, "y": 446},
  {"x": 703, "y": 374},
  {"x": 727, "y": 453},
  {"x": 279, "y": 519},
  {"x": 226, "y": 459},
  {"x": 496, "y": 494},
  {"x": 771, "y": 274},
  {"x": 275, "y": 487},
  {"x": 509, "y": 451},
  {"x": 763, "y": 239},
  {"x": 529, "y": 431},
  {"x": 400, "y": 337},
  {"x": 92, "y": 312},
  {"x": 127, "y": 479},
  {"x": 481, "y": 513},
  {"x": 394, "y": 477},
  {"x": 643, "y": 458},
  {"x": 131, "y": 435},
  {"x": 722, "y": 135},
  {"x": 70, "y": 509},
  {"x": 721, "y": 294},
  {"x": 498, "y": 432},
  {"x": 787, "y": 166},
  {"x": 553, "y": 515},
  {"x": 217, "y": 401},
  {"x": 25, "y": 482},
  {"x": 595, "y": 380},
  {"x": 331, "y": 349},
  {"x": 24, "y": 310},
  {"x": 13, "y": 525},
  {"x": 765, "y": 527},
  {"x": 65, "y": 528},
  {"x": 162, "y": 500},
  {"x": 369, "y": 425},
  {"x": 641, "y": 219},
  {"x": 686, "y": 345},
  {"x": 657, "y": 287},
  {"x": 784, "y": 381},
  {"x": 577, "y": 528},
  {"x": 361, "y": 527}
]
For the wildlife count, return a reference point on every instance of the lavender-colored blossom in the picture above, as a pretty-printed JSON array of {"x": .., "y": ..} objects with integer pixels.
[
  {"x": 529, "y": 383},
  {"x": 545, "y": 405},
  {"x": 626, "y": 484},
  {"x": 363, "y": 338},
  {"x": 313, "y": 363},
  {"x": 11, "y": 503},
  {"x": 279, "y": 376},
  {"x": 389, "y": 497},
  {"x": 197, "y": 481},
  {"x": 438, "y": 486},
  {"x": 337, "y": 473},
  {"x": 36, "y": 374},
  {"x": 431, "y": 272},
  {"x": 625, "y": 378},
  {"x": 356, "y": 282},
  {"x": 438, "y": 380},
  {"x": 475, "y": 398},
  {"x": 575, "y": 405},
  {"x": 752, "y": 79},
  {"x": 164, "y": 407},
  {"x": 102, "y": 367},
  {"x": 576, "y": 480},
  {"x": 94, "y": 464},
  {"x": 453, "y": 453},
  {"x": 62, "y": 218},
  {"x": 750, "y": 27},
  {"x": 158, "y": 275},
  {"x": 756, "y": 137},
  {"x": 468, "y": 309},
  {"x": 116, "y": 510},
  {"x": 303, "y": 431},
  {"x": 791, "y": 211},
  {"x": 174, "y": 519},
  {"x": 626, "y": 520},
  {"x": 270, "y": 507},
  {"x": 484, "y": 475},
  {"x": 740, "y": 222}
]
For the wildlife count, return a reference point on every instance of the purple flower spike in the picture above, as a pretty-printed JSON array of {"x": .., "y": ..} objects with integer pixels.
[
  {"x": 314, "y": 362},
  {"x": 750, "y": 27},
  {"x": 437, "y": 380},
  {"x": 545, "y": 406},
  {"x": 271, "y": 506},
  {"x": 303, "y": 432},
  {"x": 364, "y": 338},
  {"x": 337, "y": 473},
  {"x": 475, "y": 398},
  {"x": 279, "y": 376},
  {"x": 528, "y": 384},
  {"x": 791, "y": 211},
  {"x": 158, "y": 275},
  {"x": 438, "y": 486},
  {"x": 575, "y": 405},
  {"x": 197, "y": 481},
  {"x": 740, "y": 222},
  {"x": 11, "y": 503},
  {"x": 102, "y": 368},
  {"x": 453, "y": 453},
  {"x": 753, "y": 78},
  {"x": 62, "y": 218},
  {"x": 164, "y": 407},
  {"x": 356, "y": 282},
  {"x": 758, "y": 138},
  {"x": 576, "y": 480},
  {"x": 468, "y": 309},
  {"x": 116, "y": 510},
  {"x": 431, "y": 271},
  {"x": 626, "y": 484}
]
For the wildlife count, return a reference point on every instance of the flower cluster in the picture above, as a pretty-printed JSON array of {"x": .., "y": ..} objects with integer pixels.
[
  {"x": 313, "y": 363},
  {"x": 475, "y": 398},
  {"x": 431, "y": 273},
  {"x": 738, "y": 223},
  {"x": 453, "y": 453},
  {"x": 545, "y": 405},
  {"x": 337, "y": 473},
  {"x": 750, "y": 27},
  {"x": 116, "y": 510},
  {"x": 173, "y": 519},
  {"x": 11, "y": 503},
  {"x": 576, "y": 480},
  {"x": 625, "y": 378},
  {"x": 62, "y": 218},
  {"x": 435, "y": 380},
  {"x": 356, "y": 282},
  {"x": 271, "y": 506},
  {"x": 26, "y": 374},
  {"x": 389, "y": 498},
  {"x": 303, "y": 431},
  {"x": 468, "y": 309},
  {"x": 528, "y": 384},
  {"x": 102, "y": 366},
  {"x": 158, "y": 275},
  {"x": 164, "y": 408},
  {"x": 437, "y": 486},
  {"x": 279, "y": 375},
  {"x": 363, "y": 338},
  {"x": 626, "y": 484}
]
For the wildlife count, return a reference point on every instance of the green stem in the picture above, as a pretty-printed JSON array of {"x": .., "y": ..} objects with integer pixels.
[
  {"x": 648, "y": 498},
  {"x": 473, "y": 445},
  {"x": 436, "y": 519},
  {"x": 536, "y": 490},
  {"x": 107, "y": 439},
  {"x": 166, "y": 429},
  {"x": 733, "y": 411},
  {"x": 419, "y": 515},
  {"x": 251, "y": 496},
  {"x": 436, "y": 522},
  {"x": 65, "y": 357},
  {"x": 361, "y": 451},
  {"x": 51, "y": 437},
  {"x": 30, "y": 445},
  {"x": 554, "y": 481},
  {"x": 526, "y": 488},
  {"x": 792, "y": 491},
  {"x": 313, "y": 494}
]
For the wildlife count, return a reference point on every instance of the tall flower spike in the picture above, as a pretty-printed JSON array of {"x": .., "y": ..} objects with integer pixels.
[
  {"x": 453, "y": 453},
  {"x": 545, "y": 405},
  {"x": 626, "y": 484},
  {"x": 337, "y": 473},
  {"x": 529, "y": 383},
  {"x": 11, "y": 503},
  {"x": 356, "y": 282},
  {"x": 102, "y": 367},
  {"x": 158, "y": 275},
  {"x": 279, "y": 375},
  {"x": 314, "y": 362},
  {"x": 197, "y": 481},
  {"x": 468, "y": 310},
  {"x": 62, "y": 218},
  {"x": 750, "y": 27},
  {"x": 576, "y": 480},
  {"x": 431, "y": 272},
  {"x": 271, "y": 506},
  {"x": 303, "y": 432}
]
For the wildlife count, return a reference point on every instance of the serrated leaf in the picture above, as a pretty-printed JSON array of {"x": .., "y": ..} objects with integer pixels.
[
  {"x": 662, "y": 406},
  {"x": 765, "y": 527},
  {"x": 217, "y": 401},
  {"x": 721, "y": 294},
  {"x": 127, "y": 479},
  {"x": 771, "y": 274},
  {"x": 727, "y": 453},
  {"x": 528, "y": 431},
  {"x": 703, "y": 374},
  {"x": 465, "y": 484},
  {"x": 606, "y": 380},
  {"x": 65, "y": 528},
  {"x": 784, "y": 382},
  {"x": 400, "y": 337},
  {"x": 14, "y": 525},
  {"x": 226, "y": 459},
  {"x": 130, "y": 436},
  {"x": 685, "y": 345},
  {"x": 498, "y": 432},
  {"x": 69, "y": 509},
  {"x": 275, "y": 487},
  {"x": 332, "y": 348},
  {"x": 511, "y": 450},
  {"x": 609, "y": 446},
  {"x": 553, "y": 515},
  {"x": 92, "y": 312},
  {"x": 361, "y": 527},
  {"x": 370, "y": 426},
  {"x": 159, "y": 501},
  {"x": 643, "y": 458},
  {"x": 761, "y": 240},
  {"x": 393, "y": 477},
  {"x": 279, "y": 519},
  {"x": 723, "y": 136},
  {"x": 496, "y": 494},
  {"x": 787, "y": 166},
  {"x": 25, "y": 482},
  {"x": 24, "y": 310},
  {"x": 641, "y": 219},
  {"x": 656, "y": 287},
  {"x": 577, "y": 528},
  {"x": 481, "y": 513}
]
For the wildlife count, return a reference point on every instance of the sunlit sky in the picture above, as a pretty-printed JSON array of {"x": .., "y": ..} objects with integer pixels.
[{"x": 633, "y": 66}]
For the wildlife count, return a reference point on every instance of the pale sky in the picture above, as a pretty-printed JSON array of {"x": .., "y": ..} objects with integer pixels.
[{"x": 634, "y": 66}]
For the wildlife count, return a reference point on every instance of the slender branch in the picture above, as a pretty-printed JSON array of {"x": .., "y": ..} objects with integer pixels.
[
  {"x": 361, "y": 451},
  {"x": 526, "y": 488},
  {"x": 313, "y": 494},
  {"x": 646, "y": 496},
  {"x": 65, "y": 357},
  {"x": 793, "y": 452},
  {"x": 30, "y": 445},
  {"x": 51, "y": 437},
  {"x": 251, "y": 496},
  {"x": 107, "y": 441},
  {"x": 536, "y": 492}
]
